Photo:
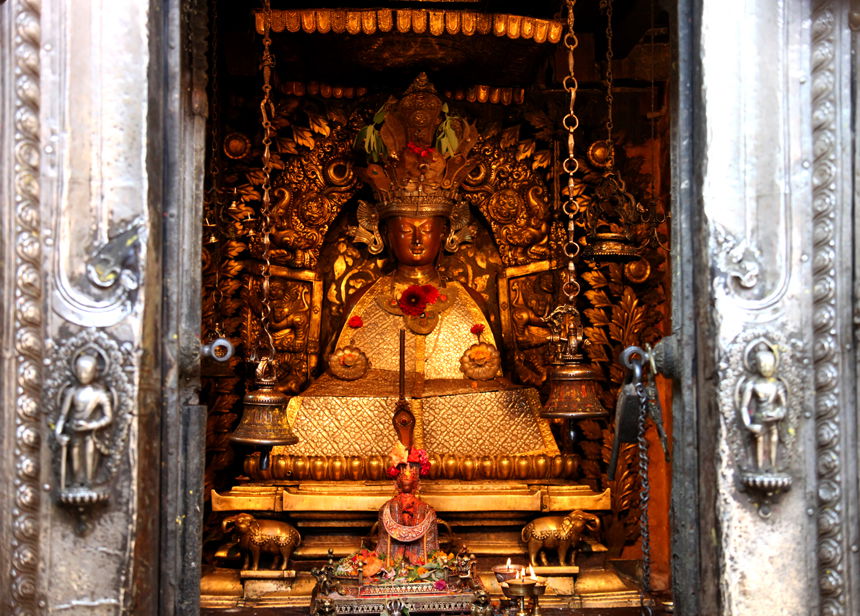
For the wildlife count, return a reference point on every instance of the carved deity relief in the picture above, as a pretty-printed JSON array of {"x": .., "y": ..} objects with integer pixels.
[
  {"x": 762, "y": 383},
  {"x": 762, "y": 404},
  {"x": 90, "y": 390}
]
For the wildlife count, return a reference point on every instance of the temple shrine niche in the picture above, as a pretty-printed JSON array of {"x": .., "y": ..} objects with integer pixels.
[{"x": 429, "y": 234}]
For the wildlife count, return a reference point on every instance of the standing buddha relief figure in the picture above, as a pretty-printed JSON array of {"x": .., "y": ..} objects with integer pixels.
[{"x": 417, "y": 158}]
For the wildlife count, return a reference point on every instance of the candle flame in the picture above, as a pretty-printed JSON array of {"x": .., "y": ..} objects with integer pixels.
[
  {"x": 532, "y": 573},
  {"x": 508, "y": 564}
]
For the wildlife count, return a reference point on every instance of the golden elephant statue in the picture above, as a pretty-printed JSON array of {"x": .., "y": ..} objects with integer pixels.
[
  {"x": 557, "y": 532},
  {"x": 255, "y": 536}
]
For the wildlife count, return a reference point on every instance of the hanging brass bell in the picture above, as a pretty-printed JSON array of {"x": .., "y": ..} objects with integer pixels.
[
  {"x": 573, "y": 391},
  {"x": 264, "y": 421}
]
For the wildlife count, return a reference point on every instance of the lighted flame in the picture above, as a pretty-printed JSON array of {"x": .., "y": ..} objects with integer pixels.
[
  {"x": 532, "y": 573},
  {"x": 517, "y": 575},
  {"x": 508, "y": 564}
]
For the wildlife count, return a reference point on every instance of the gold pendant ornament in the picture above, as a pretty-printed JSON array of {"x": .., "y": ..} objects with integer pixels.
[{"x": 348, "y": 363}]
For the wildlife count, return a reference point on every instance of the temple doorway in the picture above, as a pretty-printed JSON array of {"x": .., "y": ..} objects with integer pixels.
[{"x": 327, "y": 129}]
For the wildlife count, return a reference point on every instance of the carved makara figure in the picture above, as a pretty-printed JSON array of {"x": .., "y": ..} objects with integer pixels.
[
  {"x": 763, "y": 405},
  {"x": 418, "y": 156},
  {"x": 87, "y": 408}
]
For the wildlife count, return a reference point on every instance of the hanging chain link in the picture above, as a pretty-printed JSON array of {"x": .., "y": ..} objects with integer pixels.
[
  {"x": 267, "y": 112},
  {"x": 607, "y": 6},
  {"x": 570, "y": 286},
  {"x": 644, "y": 497},
  {"x": 214, "y": 193},
  {"x": 652, "y": 88}
]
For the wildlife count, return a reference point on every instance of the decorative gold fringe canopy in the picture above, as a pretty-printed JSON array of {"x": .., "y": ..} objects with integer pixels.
[{"x": 416, "y": 21}]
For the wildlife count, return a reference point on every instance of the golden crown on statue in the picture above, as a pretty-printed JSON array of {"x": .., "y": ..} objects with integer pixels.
[{"x": 417, "y": 154}]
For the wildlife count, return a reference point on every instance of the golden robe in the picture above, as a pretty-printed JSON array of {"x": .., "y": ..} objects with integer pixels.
[{"x": 453, "y": 414}]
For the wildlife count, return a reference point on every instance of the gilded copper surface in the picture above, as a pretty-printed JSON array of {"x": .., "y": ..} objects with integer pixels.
[
  {"x": 472, "y": 423},
  {"x": 465, "y": 424},
  {"x": 417, "y": 21},
  {"x": 509, "y": 190},
  {"x": 444, "y": 346},
  {"x": 442, "y": 466}
]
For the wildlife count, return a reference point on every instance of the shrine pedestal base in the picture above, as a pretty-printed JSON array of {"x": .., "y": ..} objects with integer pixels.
[
  {"x": 350, "y": 601},
  {"x": 258, "y": 584}
]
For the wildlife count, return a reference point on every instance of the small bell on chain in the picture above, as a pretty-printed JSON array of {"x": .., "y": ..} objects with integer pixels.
[
  {"x": 573, "y": 391},
  {"x": 573, "y": 382},
  {"x": 265, "y": 423}
]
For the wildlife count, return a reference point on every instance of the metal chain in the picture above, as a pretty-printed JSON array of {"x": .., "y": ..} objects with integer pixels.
[
  {"x": 645, "y": 496},
  {"x": 653, "y": 115},
  {"x": 214, "y": 192},
  {"x": 267, "y": 112},
  {"x": 607, "y": 6},
  {"x": 570, "y": 286}
]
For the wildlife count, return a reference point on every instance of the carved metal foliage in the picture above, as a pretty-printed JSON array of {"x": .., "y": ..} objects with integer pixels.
[
  {"x": 831, "y": 513},
  {"x": 115, "y": 265},
  {"x": 736, "y": 368},
  {"x": 28, "y": 324},
  {"x": 113, "y": 273},
  {"x": 113, "y": 378},
  {"x": 739, "y": 263},
  {"x": 504, "y": 188}
]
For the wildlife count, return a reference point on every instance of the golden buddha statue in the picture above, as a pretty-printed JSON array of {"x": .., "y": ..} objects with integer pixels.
[{"x": 418, "y": 155}]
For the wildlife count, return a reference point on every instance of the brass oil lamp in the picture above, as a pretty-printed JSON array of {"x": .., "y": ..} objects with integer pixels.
[{"x": 612, "y": 201}]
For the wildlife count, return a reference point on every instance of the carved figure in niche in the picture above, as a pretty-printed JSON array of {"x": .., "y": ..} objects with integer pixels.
[
  {"x": 87, "y": 409},
  {"x": 290, "y": 314},
  {"x": 763, "y": 404},
  {"x": 418, "y": 156},
  {"x": 407, "y": 525}
]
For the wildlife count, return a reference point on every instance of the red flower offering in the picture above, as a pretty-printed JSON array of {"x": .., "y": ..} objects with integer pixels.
[
  {"x": 419, "y": 150},
  {"x": 431, "y": 293},
  {"x": 355, "y": 322},
  {"x": 477, "y": 329},
  {"x": 414, "y": 300}
]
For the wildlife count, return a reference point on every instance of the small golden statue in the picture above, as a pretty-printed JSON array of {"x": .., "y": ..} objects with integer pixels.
[{"x": 263, "y": 536}]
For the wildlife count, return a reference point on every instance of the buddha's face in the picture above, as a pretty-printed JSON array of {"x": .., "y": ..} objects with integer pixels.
[
  {"x": 416, "y": 240},
  {"x": 765, "y": 362},
  {"x": 85, "y": 369}
]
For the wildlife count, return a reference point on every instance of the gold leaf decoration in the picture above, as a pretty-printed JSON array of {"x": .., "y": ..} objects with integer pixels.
[
  {"x": 525, "y": 149},
  {"x": 541, "y": 160},
  {"x": 510, "y": 136},
  {"x": 319, "y": 125},
  {"x": 303, "y": 136}
]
